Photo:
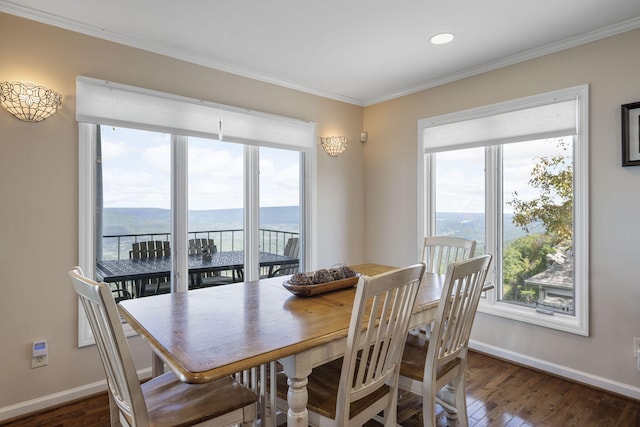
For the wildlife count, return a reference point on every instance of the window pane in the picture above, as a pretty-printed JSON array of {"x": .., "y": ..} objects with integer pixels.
[
  {"x": 280, "y": 210},
  {"x": 537, "y": 265},
  {"x": 215, "y": 204},
  {"x": 460, "y": 195},
  {"x": 133, "y": 200},
  {"x": 136, "y": 187}
]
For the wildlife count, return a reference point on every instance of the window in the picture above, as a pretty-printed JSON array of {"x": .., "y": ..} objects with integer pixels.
[
  {"x": 157, "y": 166},
  {"x": 513, "y": 177}
]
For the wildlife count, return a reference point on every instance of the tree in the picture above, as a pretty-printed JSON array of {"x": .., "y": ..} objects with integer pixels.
[
  {"x": 553, "y": 177},
  {"x": 523, "y": 258}
]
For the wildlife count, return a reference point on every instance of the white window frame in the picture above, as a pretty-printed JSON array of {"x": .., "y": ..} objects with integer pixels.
[
  {"x": 579, "y": 322},
  {"x": 87, "y": 136}
]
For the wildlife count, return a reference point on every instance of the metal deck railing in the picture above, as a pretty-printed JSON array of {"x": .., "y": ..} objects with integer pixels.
[{"x": 117, "y": 246}]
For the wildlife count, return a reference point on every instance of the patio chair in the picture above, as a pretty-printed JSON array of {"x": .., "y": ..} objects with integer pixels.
[
  {"x": 120, "y": 294},
  {"x": 163, "y": 400},
  {"x": 291, "y": 249},
  {"x": 151, "y": 249},
  {"x": 435, "y": 368},
  {"x": 353, "y": 389},
  {"x": 208, "y": 278}
]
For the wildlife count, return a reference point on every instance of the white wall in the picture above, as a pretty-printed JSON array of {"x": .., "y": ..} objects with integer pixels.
[{"x": 610, "y": 67}]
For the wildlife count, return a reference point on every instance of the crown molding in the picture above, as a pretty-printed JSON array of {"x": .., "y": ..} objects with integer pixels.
[
  {"x": 612, "y": 30},
  {"x": 80, "y": 27},
  {"x": 128, "y": 40}
]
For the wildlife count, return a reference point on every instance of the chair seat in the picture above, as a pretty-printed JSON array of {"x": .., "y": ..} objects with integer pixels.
[
  {"x": 323, "y": 391},
  {"x": 413, "y": 359},
  {"x": 164, "y": 400},
  {"x": 350, "y": 391},
  {"x": 207, "y": 281},
  {"x": 434, "y": 367},
  {"x": 171, "y": 402}
]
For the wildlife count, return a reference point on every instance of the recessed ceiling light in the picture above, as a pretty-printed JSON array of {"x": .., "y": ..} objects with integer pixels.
[{"x": 441, "y": 38}]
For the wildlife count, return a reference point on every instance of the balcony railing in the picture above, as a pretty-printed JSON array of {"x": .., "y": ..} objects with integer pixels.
[{"x": 117, "y": 246}]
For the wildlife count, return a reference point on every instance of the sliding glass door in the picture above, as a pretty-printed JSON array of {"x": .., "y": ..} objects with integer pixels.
[{"x": 135, "y": 205}]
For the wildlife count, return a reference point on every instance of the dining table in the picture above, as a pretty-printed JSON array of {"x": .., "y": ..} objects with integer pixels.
[
  {"x": 136, "y": 269},
  {"x": 205, "y": 334}
]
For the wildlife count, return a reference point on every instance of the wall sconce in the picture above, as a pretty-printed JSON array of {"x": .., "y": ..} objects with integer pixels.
[
  {"x": 334, "y": 145},
  {"x": 29, "y": 102}
]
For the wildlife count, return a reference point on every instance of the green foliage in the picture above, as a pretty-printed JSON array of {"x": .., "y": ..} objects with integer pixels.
[
  {"x": 553, "y": 177},
  {"x": 523, "y": 258},
  {"x": 527, "y": 256}
]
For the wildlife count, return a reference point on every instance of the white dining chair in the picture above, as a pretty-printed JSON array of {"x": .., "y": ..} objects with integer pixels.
[
  {"x": 353, "y": 389},
  {"x": 163, "y": 400},
  {"x": 437, "y": 253},
  {"x": 434, "y": 368},
  {"x": 440, "y": 251}
]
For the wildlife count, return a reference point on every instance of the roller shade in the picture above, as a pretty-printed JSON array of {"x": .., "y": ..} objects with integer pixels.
[
  {"x": 115, "y": 104},
  {"x": 489, "y": 126}
]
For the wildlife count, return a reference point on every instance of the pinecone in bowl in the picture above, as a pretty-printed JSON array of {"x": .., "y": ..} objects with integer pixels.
[
  {"x": 322, "y": 276},
  {"x": 301, "y": 279},
  {"x": 337, "y": 273}
]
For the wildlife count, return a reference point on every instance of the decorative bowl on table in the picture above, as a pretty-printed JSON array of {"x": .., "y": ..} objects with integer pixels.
[{"x": 321, "y": 281}]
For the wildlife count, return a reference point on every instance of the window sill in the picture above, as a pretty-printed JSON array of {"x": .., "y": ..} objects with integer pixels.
[{"x": 574, "y": 324}]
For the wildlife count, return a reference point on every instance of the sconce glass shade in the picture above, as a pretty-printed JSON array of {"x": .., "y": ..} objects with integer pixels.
[
  {"x": 334, "y": 145},
  {"x": 29, "y": 102}
]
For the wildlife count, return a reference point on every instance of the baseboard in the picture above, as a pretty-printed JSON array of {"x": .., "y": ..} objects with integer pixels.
[
  {"x": 55, "y": 399},
  {"x": 616, "y": 387},
  {"x": 575, "y": 375}
]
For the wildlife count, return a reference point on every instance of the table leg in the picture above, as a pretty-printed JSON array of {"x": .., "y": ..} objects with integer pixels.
[
  {"x": 157, "y": 365},
  {"x": 297, "y": 368}
]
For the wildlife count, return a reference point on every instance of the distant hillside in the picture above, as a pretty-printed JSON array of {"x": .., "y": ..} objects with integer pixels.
[
  {"x": 471, "y": 226},
  {"x": 126, "y": 221},
  {"x": 118, "y": 221},
  {"x": 147, "y": 220}
]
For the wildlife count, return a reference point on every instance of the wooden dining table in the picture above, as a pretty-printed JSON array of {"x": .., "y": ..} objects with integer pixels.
[{"x": 205, "y": 334}]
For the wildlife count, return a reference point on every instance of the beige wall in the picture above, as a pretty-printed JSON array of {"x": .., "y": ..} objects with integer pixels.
[
  {"x": 39, "y": 190},
  {"x": 375, "y": 181},
  {"x": 610, "y": 67}
]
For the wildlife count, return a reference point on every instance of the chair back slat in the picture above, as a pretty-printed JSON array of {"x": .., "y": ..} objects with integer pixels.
[
  {"x": 379, "y": 323},
  {"x": 104, "y": 320},
  {"x": 150, "y": 249},
  {"x": 162, "y": 248},
  {"x": 461, "y": 293},
  {"x": 196, "y": 246},
  {"x": 440, "y": 251},
  {"x": 292, "y": 248}
]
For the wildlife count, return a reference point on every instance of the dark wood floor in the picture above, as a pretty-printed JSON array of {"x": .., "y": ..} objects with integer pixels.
[{"x": 498, "y": 394}]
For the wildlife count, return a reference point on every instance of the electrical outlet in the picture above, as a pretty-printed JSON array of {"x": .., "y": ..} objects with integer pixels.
[
  {"x": 39, "y": 361},
  {"x": 636, "y": 347}
]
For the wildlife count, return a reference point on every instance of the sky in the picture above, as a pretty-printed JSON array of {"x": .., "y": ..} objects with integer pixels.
[
  {"x": 137, "y": 172},
  {"x": 460, "y": 175}
]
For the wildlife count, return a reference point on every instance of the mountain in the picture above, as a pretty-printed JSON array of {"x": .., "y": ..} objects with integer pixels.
[
  {"x": 149, "y": 220},
  {"x": 472, "y": 226},
  {"x": 120, "y": 221}
]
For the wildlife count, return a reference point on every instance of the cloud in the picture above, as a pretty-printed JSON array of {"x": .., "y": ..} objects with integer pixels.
[{"x": 137, "y": 172}]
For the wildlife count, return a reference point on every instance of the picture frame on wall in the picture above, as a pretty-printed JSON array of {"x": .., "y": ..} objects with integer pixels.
[{"x": 631, "y": 134}]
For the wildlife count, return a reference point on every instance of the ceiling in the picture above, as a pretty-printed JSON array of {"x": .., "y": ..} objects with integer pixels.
[{"x": 357, "y": 51}]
